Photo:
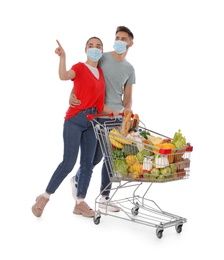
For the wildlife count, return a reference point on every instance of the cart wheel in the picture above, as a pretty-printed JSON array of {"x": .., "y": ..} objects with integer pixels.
[
  {"x": 159, "y": 233},
  {"x": 96, "y": 220},
  {"x": 134, "y": 211},
  {"x": 179, "y": 228}
]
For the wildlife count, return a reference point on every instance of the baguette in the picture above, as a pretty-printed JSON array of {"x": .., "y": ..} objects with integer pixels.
[{"x": 126, "y": 124}]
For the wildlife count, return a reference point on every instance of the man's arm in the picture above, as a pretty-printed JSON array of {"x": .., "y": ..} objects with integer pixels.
[
  {"x": 127, "y": 99},
  {"x": 106, "y": 110}
]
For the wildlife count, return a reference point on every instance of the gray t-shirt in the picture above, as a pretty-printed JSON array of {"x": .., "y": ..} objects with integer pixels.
[{"x": 116, "y": 75}]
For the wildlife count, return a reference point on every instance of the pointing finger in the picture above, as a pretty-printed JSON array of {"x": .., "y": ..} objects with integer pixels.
[{"x": 58, "y": 43}]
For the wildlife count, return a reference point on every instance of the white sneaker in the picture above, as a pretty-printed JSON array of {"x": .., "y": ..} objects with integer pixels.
[
  {"x": 104, "y": 203},
  {"x": 74, "y": 187}
]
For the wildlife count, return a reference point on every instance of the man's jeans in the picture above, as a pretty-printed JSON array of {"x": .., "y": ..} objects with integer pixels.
[{"x": 105, "y": 179}]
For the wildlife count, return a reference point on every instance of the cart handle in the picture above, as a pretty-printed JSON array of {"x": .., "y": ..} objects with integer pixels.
[{"x": 90, "y": 117}]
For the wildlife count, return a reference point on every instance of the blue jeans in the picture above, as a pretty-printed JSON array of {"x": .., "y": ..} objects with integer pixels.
[
  {"x": 77, "y": 133},
  {"x": 105, "y": 178}
]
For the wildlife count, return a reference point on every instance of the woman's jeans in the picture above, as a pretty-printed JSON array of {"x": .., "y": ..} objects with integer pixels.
[
  {"x": 105, "y": 179},
  {"x": 78, "y": 133}
]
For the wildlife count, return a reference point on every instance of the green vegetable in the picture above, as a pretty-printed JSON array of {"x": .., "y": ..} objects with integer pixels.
[
  {"x": 146, "y": 152},
  {"x": 144, "y": 133},
  {"x": 117, "y": 153},
  {"x": 130, "y": 149},
  {"x": 140, "y": 157},
  {"x": 179, "y": 140},
  {"x": 120, "y": 165}
]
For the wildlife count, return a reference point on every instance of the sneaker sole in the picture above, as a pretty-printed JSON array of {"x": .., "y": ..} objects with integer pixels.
[{"x": 79, "y": 212}]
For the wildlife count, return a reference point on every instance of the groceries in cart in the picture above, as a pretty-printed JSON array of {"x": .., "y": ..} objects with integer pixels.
[
  {"x": 134, "y": 154},
  {"x": 140, "y": 154}
]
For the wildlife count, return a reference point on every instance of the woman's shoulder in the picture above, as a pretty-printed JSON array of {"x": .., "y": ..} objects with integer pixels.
[{"x": 78, "y": 65}]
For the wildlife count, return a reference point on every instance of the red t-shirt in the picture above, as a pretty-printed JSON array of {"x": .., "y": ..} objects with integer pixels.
[{"x": 88, "y": 89}]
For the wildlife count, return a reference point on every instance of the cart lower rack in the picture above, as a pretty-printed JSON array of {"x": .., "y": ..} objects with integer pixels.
[{"x": 134, "y": 163}]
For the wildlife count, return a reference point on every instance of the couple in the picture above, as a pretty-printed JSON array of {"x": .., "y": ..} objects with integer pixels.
[{"x": 103, "y": 84}]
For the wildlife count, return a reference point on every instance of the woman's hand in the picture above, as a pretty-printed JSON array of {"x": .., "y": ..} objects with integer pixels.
[
  {"x": 115, "y": 113},
  {"x": 59, "y": 50}
]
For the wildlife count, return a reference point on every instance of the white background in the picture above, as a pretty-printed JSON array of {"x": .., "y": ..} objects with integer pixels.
[{"x": 178, "y": 56}]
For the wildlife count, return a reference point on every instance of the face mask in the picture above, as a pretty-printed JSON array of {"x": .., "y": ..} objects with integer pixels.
[
  {"x": 120, "y": 47},
  {"x": 94, "y": 54}
]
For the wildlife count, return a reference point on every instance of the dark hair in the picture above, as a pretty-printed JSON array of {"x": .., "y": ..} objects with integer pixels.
[
  {"x": 125, "y": 29},
  {"x": 94, "y": 37}
]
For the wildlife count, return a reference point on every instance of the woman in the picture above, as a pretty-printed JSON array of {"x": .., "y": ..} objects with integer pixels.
[
  {"x": 89, "y": 87},
  {"x": 119, "y": 75}
]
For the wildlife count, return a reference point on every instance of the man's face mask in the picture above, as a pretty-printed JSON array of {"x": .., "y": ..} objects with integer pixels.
[
  {"x": 120, "y": 47},
  {"x": 94, "y": 54}
]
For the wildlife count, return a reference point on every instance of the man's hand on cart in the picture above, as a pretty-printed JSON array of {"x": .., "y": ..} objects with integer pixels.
[
  {"x": 127, "y": 110},
  {"x": 73, "y": 101}
]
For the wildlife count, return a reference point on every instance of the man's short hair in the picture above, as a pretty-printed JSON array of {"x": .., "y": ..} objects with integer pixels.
[{"x": 125, "y": 29}]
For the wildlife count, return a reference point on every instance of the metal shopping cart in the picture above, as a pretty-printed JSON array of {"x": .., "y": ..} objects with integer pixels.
[{"x": 132, "y": 162}]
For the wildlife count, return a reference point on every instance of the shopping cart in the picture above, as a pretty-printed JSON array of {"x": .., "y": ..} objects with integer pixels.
[{"x": 133, "y": 162}]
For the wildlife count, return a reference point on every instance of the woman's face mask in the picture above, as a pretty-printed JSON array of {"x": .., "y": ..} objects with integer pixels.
[
  {"x": 94, "y": 54},
  {"x": 120, "y": 47}
]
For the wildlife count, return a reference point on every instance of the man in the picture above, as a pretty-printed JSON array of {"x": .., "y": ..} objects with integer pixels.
[{"x": 119, "y": 77}]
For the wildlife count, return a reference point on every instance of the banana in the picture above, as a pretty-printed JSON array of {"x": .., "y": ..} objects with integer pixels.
[
  {"x": 119, "y": 137},
  {"x": 115, "y": 142}
]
